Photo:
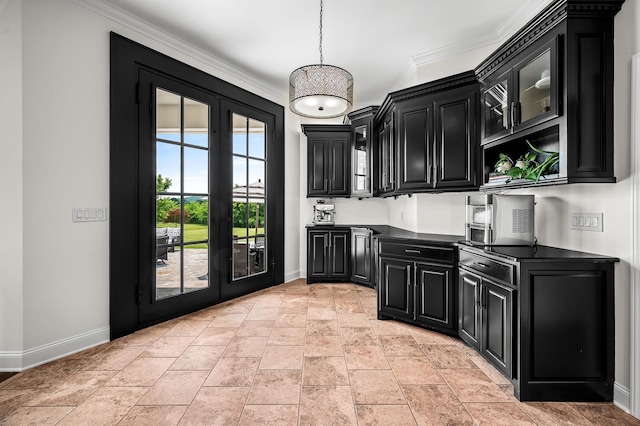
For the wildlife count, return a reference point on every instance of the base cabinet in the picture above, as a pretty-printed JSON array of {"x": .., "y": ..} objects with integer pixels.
[
  {"x": 328, "y": 255},
  {"x": 362, "y": 256},
  {"x": 486, "y": 319},
  {"x": 546, "y": 320},
  {"x": 416, "y": 284}
]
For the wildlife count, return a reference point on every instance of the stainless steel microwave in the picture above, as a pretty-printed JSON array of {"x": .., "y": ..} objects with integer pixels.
[{"x": 500, "y": 220}]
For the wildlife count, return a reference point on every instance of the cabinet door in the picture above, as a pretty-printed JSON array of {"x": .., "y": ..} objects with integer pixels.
[
  {"x": 317, "y": 166},
  {"x": 415, "y": 140},
  {"x": 456, "y": 140},
  {"x": 535, "y": 87},
  {"x": 339, "y": 255},
  {"x": 361, "y": 162},
  {"x": 317, "y": 260},
  {"x": 497, "y": 321},
  {"x": 395, "y": 288},
  {"x": 496, "y": 108},
  {"x": 361, "y": 256},
  {"x": 469, "y": 308},
  {"x": 386, "y": 156},
  {"x": 337, "y": 166},
  {"x": 435, "y": 296}
]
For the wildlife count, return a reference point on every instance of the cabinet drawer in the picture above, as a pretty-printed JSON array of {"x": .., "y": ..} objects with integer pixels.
[
  {"x": 417, "y": 251},
  {"x": 490, "y": 267}
]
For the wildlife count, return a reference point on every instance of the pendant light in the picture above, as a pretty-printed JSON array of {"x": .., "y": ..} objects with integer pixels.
[{"x": 320, "y": 91}]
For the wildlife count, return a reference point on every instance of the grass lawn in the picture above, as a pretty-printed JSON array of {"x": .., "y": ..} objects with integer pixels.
[{"x": 195, "y": 232}]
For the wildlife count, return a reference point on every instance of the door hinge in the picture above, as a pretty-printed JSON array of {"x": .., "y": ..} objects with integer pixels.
[
  {"x": 138, "y": 293},
  {"x": 273, "y": 263},
  {"x": 138, "y": 93}
]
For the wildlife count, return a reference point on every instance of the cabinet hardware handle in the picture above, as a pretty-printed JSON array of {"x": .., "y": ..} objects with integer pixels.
[
  {"x": 326, "y": 181},
  {"x": 476, "y": 295},
  {"x": 484, "y": 265},
  {"x": 412, "y": 251},
  {"x": 515, "y": 116},
  {"x": 408, "y": 275},
  {"x": 483, "y": 296}
]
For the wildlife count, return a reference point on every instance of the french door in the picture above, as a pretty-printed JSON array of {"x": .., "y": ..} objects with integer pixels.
[
  {"x": 178, "y": 177},
  {"x": 204, "y": 226}
]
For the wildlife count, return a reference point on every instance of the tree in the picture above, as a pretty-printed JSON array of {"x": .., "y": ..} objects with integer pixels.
[
  {"x": 162, "y": 184},
  {"x": 164, "y": 204},
  {"x": 198, "y": 211},
  {"x": 173, "y": 216}
]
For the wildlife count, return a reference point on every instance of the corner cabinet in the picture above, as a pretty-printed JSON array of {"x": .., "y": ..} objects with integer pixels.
[
  {"x": 436, "y": 136},
  {"x": 328, "y": 160},
  {"x": 551, "y": 85},
  {"x": 416, "y": 284},
  {"x": 328, "y": 254},
  {"x": 542, "y": 316}
]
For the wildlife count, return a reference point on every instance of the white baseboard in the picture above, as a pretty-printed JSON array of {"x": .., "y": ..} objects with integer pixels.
[
  {"x": 621, "y": 397},
  {"x": 15, "y": 361},
  {"x": 290, "y": 276}
]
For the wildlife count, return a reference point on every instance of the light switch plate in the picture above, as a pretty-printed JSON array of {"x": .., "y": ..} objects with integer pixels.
[
  {"x": 89, "y": 214},
  {"x": 586, "y": 222}
]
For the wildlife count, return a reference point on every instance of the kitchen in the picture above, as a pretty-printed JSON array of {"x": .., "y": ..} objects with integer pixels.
[{"x": 442, "y": 213}]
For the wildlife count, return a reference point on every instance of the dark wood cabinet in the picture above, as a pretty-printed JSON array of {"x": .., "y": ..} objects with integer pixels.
[
  {"x": 363, "y": 151},
  {"x": 362, "y": 256},
  {"x": 328, "y": 255},
  {"x": 437, "y": 135},
  {"x": 395, "y": 288},
  {"x": 551, "y": 85},
  {"x": 328, "y": 160},
  {"x": 416, "y": 284},
  {"x": 486, "y": 312},
  {"x": 543, "y": 317},
  {"x": 386, "y": 171}
]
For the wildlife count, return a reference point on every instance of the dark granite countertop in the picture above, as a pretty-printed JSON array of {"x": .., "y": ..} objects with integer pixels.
[
  {"x": 392, "y": 233},
  {"x": 536, "y": 253},
  {"x": 512, "y": 253}
]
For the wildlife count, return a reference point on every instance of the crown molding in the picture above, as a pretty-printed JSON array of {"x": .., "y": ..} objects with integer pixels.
[
  {"x": 524, "y": 14},
  {"x": 454, "y": 49},
  {"x": 133, "y": 22}
]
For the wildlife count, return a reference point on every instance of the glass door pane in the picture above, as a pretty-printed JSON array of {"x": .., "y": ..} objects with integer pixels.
[
  {"x": 534, "y": 83},
  {"x": 361, "y": 160},
  {"x": 249, "y": 197},
  {"x": 182, "y": 194},
  {"x": 496, "y": 109}
]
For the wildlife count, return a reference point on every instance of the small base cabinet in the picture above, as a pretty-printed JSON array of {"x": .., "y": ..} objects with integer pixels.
[
  {"x": 416, "y": 284},
  {"x": 362, "y": 256},
  {"x": 328, "y": 255},
  {"x": 544, "y": 317}
]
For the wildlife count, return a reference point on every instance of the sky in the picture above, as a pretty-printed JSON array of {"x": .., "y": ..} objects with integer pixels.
[{"x": 196, "y": 161}]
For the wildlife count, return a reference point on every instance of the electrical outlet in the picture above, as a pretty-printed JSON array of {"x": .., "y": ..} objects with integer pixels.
[{"x": 586, "y": 222}]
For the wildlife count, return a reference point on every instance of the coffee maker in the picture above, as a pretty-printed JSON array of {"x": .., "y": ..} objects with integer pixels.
[{"x": 323, "y": 214}]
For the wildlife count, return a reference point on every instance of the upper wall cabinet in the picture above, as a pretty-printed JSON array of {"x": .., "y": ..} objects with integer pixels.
[
  {"x": 548, "y": 92},
  {"x": 328, "y": 164},
  {"x": 437, "y": 135},
  {"x": 362, "y": 151}
]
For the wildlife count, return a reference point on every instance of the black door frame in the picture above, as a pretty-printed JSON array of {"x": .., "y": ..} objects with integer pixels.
[{"x": 127, "y": 59}]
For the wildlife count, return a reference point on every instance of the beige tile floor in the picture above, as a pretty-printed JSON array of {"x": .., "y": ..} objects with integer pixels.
[{"x": 294, "y": 354}]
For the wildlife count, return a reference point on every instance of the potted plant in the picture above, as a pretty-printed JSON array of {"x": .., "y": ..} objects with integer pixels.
[{"x": 526, "y": 166}]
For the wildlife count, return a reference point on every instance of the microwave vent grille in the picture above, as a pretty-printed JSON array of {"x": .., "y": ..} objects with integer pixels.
[{"x": 523, "y": 221}]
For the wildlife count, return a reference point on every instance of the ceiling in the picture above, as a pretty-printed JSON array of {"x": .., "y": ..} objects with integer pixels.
[{"x": 379, "y": 41}]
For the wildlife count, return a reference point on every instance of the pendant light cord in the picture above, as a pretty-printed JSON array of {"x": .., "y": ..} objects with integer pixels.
[{"x": 321, "y": 57}]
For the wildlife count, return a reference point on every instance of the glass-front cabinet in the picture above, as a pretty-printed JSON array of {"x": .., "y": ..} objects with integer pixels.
[
  {"x": 362, "y": 151},
  {"x": 361, "y": 162},
  {"x": 523, "y": 95}
]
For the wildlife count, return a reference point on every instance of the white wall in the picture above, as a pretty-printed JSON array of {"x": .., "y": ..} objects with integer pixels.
[
  {"x": 445, "y": 212},
  {"x": 11, "y": 276},
  {"x": 58, "y": 121}
]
